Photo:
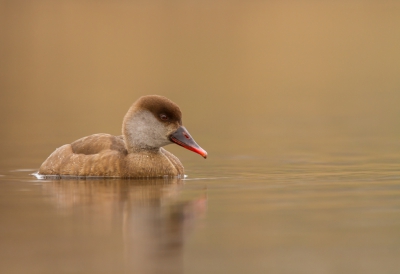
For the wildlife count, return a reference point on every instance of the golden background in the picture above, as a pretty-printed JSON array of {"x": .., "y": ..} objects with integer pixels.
[{"x": 250, "y": 76}]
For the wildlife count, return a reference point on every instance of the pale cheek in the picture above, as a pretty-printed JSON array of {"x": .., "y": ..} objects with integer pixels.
[{"x": 146, "y": 130}]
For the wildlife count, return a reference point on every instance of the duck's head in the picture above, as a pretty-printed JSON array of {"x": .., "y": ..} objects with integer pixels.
[{"x": 154, "y": 121}]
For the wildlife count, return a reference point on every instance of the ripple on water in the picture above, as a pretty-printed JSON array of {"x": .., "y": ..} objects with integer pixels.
[{"x": 24, "y": 170}]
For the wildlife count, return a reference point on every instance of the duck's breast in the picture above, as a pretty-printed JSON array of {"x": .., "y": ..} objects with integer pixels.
[{"x": 152, "y": 164}]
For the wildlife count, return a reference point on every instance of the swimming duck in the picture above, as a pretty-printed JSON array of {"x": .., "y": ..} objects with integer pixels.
[{"x": 151, "y": 122}]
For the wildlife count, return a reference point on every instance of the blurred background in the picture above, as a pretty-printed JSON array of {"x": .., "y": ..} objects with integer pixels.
[{"x": 250, "y": 76}]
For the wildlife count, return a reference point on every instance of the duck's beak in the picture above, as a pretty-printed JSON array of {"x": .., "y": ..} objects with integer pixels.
[{"x": 182, "y": 137}]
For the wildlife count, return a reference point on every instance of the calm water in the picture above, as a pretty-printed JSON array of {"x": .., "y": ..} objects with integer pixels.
[
  {"x": 297, "y": 105},
  {"x": 242, "y": 215}
]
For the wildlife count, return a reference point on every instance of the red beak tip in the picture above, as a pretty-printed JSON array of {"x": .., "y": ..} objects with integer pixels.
[{"x": 203, "y": 153}]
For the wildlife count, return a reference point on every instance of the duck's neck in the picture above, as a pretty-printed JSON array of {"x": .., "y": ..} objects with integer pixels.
[
  {"x": 142, "y": 132},
  {"x": 137, "y": 147}
]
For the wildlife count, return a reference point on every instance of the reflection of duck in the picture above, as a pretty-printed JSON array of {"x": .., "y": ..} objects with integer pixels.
[
  {"x": 151, "y": 123},
  {"x": 153, "y": 219}
]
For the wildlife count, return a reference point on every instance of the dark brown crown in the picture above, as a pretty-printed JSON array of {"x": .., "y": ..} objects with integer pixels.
[{"x": 159, "y": 106}]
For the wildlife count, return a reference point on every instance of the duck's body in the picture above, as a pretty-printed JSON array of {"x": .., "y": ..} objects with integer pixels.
[
  {"x": 105, "y": 155},
  {"x": 151, "y": 122}
]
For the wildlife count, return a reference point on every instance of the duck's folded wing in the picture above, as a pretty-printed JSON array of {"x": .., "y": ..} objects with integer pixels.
[
  {"x": 94, "y": 155},
  {"x": 97, "y": 143}
]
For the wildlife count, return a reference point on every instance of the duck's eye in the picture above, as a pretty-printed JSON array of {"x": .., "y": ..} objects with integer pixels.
[{"x": 164, "y": 117}]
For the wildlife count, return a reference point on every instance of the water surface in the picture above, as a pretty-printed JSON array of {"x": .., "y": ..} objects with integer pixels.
[{"x": 299, "y": 216}]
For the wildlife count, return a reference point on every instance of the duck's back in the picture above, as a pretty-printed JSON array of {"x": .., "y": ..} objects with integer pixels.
[
  {"x": 106, "y": 155},
  {"x": 98, "y": 143},
  {"x": 94, "y": 155}
]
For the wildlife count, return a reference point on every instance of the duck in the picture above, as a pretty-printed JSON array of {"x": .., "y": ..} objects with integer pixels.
[{"x": 151, "y": 123}]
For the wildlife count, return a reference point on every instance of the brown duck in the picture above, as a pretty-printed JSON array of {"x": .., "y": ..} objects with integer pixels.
[{"x": 151, "y": 122}]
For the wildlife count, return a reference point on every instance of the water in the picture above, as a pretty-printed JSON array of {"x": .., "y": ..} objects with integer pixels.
[
  {"x": 296, "y": 105},
  {"x": 302, "y": 217}
]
